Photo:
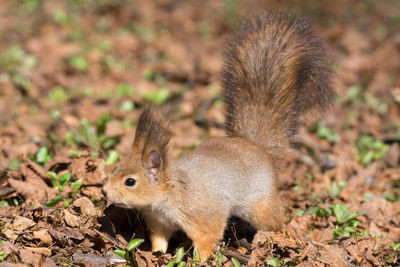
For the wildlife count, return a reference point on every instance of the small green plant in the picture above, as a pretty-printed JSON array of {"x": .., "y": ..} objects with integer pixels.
[
  {"x": 196, "y": 255},
  {"x": 16, "y": 60},
  {"x": 324, "y": 132},
  {"x": 127, "y": 105},
  {"x": 346, "y": 224},
  {"x": 125, "y": 89},
  {"x": 356, "y": 97},
  {"x": 61, "y": 17},
  {"x": 342, "y": 213},
  {"x": 54, "y": 201},
  {"x": 112, "y": 157},
  {"x": 113, "y": 63},
  {"x": 377, "y": 105},
  {"x": 395, "y": 246},
  {"x": 78, "y": 62},
  {"x": 129, "y": 253},
  {"x": 158, "y": 97},
  {"x": 354, "y": 94},
  {"x": 2, "y": 253},
  {"x": 42, "y": 155},
  {"x": 275, "y": 262},
  {"x": 92, "y": 134},
  {"x": 219, "y": 258},
  {"x": 336, "y": 188},
  {"x": 30, "y": 6},
  {"x": 148, "y": 75},
  {"x": 59, "y": 182},
  {"x": 76, "y": 185},
  {"x": 320, "y": 212},
  {"x": 58, "y": 94},
  {"x": 13, "y": 164},
  {"x": 177, "y": 260},
  {"x": 390, "y": 197},
  {"x": 370, "y": 149},
  {"x": 235, "y": 262},
  {"x": 75, "y": 153}
]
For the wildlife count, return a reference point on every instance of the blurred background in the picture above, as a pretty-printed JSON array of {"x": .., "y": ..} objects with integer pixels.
[
  {"x": 74, "y": 75},
  {"x": 83, "y": 59}
]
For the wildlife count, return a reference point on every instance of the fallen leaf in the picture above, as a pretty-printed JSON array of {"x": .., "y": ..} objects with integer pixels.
[
  {"x": 90, "y": 170},
  {"x": 72, "y": 220},
  {"x": 29, "y": 257},
  {"x": 44, "y": 237},
  {"x": 85, "y": 206},
  {"x": 44, "y": 251},
  {"x": 21, "y": 223}
]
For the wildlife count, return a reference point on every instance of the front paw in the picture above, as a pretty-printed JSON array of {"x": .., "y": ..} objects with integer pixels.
[{"x": 159, "y": 243}]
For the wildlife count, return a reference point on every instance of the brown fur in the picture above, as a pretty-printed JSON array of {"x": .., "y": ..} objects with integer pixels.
[
  {"x": 267, "y": 214},
  {"x": 274, "y": 70}
]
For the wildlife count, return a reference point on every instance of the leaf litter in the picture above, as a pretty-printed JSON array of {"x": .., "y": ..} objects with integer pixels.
[{"x": 74, "y": 77}]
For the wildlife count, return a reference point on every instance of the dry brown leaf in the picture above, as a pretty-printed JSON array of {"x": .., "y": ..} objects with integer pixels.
[
  {"x": 29, "y": 257},
  {"x": 44, "y": 237},
  {"x": 301, "y": 225},
  {"x": 332, "y": 255},
  {"x": 310, "y": 251},
  {"x": 48, "y": 262},
  {"x": 90, "y": 170},
  {"x": 380, "y": 211},
  {"x": 85, "y": 206},
  {"x": 21, "y": 223},
  {"x": 66, "y": 235},
  {"x": 321, "y": 235},
  {"x": 78, "y": 213},
  {"x": 72, "y": 220},
  {"x": 10, "y": 234},
  {"x": 33, "y": 187},
  {"x": 258, "y": 256},
  {"x": 361, "y": 249},
  {"x": 44, "y": 251},
  {"x": 93, "y": 193}
]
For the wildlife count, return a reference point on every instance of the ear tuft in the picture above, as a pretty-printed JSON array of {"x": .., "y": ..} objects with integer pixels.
[{"x": 151, "y": 140}]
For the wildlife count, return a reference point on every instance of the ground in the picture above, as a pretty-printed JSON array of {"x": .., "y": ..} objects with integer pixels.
[{"x": 75, "y": 74}]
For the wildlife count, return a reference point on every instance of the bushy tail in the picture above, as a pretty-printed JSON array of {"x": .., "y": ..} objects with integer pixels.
[{"x": 275, "y": 69}]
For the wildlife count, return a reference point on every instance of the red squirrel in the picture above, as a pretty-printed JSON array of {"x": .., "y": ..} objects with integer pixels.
[{"x": 275, "y": 69}]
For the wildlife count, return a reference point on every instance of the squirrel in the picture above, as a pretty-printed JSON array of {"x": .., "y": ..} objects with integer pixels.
[{"x": 275, "y": 69}]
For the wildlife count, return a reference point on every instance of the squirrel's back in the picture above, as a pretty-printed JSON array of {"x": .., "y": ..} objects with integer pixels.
[{"x": 275, "y": 69}]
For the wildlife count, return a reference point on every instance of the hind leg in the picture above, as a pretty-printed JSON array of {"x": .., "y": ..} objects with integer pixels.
[{"x": 267, "y": 214}]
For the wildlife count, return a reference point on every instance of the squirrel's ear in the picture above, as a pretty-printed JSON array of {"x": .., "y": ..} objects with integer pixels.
[{"x": 154, "y": 162}]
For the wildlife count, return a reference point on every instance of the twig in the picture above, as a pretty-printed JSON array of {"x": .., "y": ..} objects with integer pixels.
[
  {"x": 7, "y": 216},
  {"x": 112, "y": 240},
  {"x": 237, "y": 255}
]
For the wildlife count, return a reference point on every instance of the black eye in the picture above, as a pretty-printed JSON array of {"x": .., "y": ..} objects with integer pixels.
[{"x": 130, "y": 182}]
